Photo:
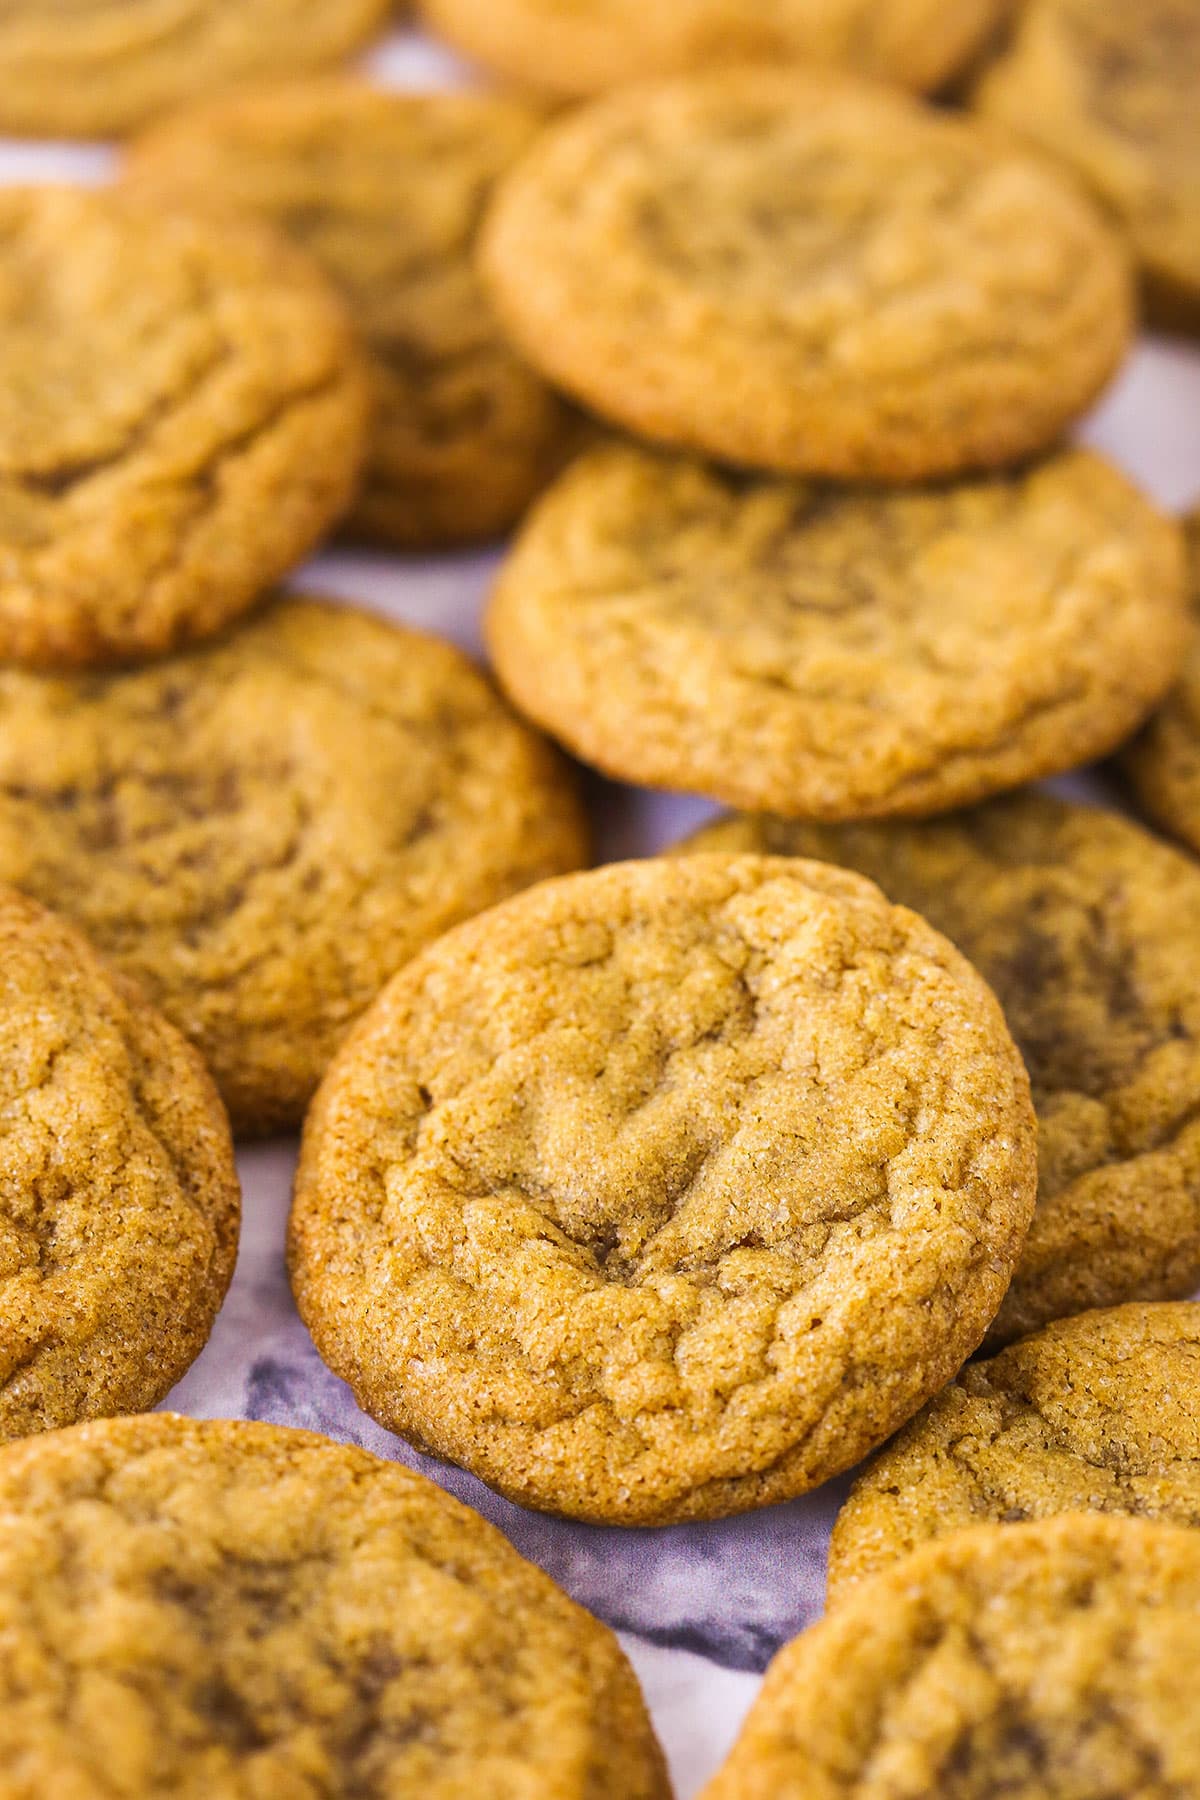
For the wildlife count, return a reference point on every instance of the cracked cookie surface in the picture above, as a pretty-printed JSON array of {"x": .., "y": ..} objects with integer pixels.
[
  {"x": 1099, "y": 1413},
  {"x": 118, "y": 1198},
  {"x": 1088, "y": 931},
  {"x": 81, "y": 68},
  {"x": 264, "y": 830},
  {"x": 581, "y": 46},
  {"x": 385, "y": 192},
  {"x": 664, "y": 1191},
  {"x": 182, "y": 416},
  {"x": 795, "y": 270},
  {"x": 1163, "y": 763},
  {"x": 224, "y": 1611},
  {"x": 838, "y": 654},
  {"x": 1040, "y": 1662},
  {"x": 1111, "y": 90}
]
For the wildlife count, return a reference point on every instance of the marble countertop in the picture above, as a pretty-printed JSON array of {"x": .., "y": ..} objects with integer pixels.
[{"x": 700, "y": 1608}]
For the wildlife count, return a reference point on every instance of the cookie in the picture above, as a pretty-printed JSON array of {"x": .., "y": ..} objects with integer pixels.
[
  {"x": 1111, "y": 90},
  {"x": 1163, "y": 763},
  {"x": 385, "y": 192},
  {"x": 662, "y": 1192},
  {"x": 798, "y": 271},
  {"x": 263, "y": 831},
  {"x": 1088, "y": 930},
  {"x": 572, "y": 48},
  {"x": 118, "y": 1198},
  {"x": 182, "y": 417},
  {"x": 839, "y": 653},
  {"x": 226, "y": 1609},
  {"x": 1041, "y": 1662},
  {"x": 93, "y": 68},
  {"x": 1099, "y": 1413}
]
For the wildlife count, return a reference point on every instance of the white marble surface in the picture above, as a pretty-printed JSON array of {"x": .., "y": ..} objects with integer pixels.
[{"x": 700, "y": 1608}]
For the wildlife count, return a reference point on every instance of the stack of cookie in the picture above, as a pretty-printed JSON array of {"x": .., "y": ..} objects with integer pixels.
[{"x": 673, "y": 1188}]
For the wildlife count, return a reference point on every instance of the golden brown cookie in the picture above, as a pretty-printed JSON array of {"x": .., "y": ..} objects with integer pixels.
[
  {"x": 264, "y": 830},
  {"x": 839, "y": 653},
  {"x": 1099, "y": 1413},
  {"x": 91, "y": 68},
  {"x": 182, "y": 417},
  {"x": 573, "y": 47},
  {"x": 1113, "y": 90},
  {"x": 798, "y": 271},
  {"x": 385, "y": 192},
  {"x": 1041, "y": 1662},
  {"x": 1088, "y": 930},
  {"x": 226, "y": 1610},
  {"x": 1163, "y": 763},
  {"x": 118, "y": 1198},
  {"x": 664, "y": 1191}
]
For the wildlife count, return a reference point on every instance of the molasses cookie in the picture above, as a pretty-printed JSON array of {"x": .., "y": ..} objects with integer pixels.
[
  {"x": 1099, "y": 1413},
  {"x": 182, "y": 417},
  {"x": 264, "y": 830},
  {"x": 665, "y": 1191},
  {"x": 798, "y": 271},
  {"x": 91, "y": 68},
  {"x": 224, "y": 1609},
  {"x": 839, "y": 653},
  {"x": 1041, "y": 1662},
  {"x": 118, "y": 1197},
  {"x": 1088, "y": 930},
  {"x": 583, "y": 46},
  {"x": 1112, "y": 90},
  {"x": 1163, "y": 764},
  {"x": 385, "y": 192}
]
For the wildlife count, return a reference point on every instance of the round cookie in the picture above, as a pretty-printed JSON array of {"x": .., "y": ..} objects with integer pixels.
[
  {"x": 225, "y": 1609},
  {"x": 119, "y": 1202},
  {"x": 1088, "y": 930},
  {"x": 1096, "y": 1413},
  {"x": 575, "y": 47},
  {"x": 182, "y": 417},
  {"x": 1041, "y": 1662},
  {"x": 1112, "y": 90},
  {"x": 1163, "y": 763},
  {"x": 92, "y": 68},
  {"x": 1099, "y": 1413},
  {"x": 665, "y": 1191},
  {"x": 385, "y": 192},
  {"x": 798, "y": 271},
  {"x": 264, "y": 830},
  {"x": 832, "y": 653}
]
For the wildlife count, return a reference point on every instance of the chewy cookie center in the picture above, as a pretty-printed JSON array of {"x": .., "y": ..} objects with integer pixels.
[
  {"x": 636, "y": 1122},
  {"x": 77, "y": 295},
  {"x": 804, "y": 222}
]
